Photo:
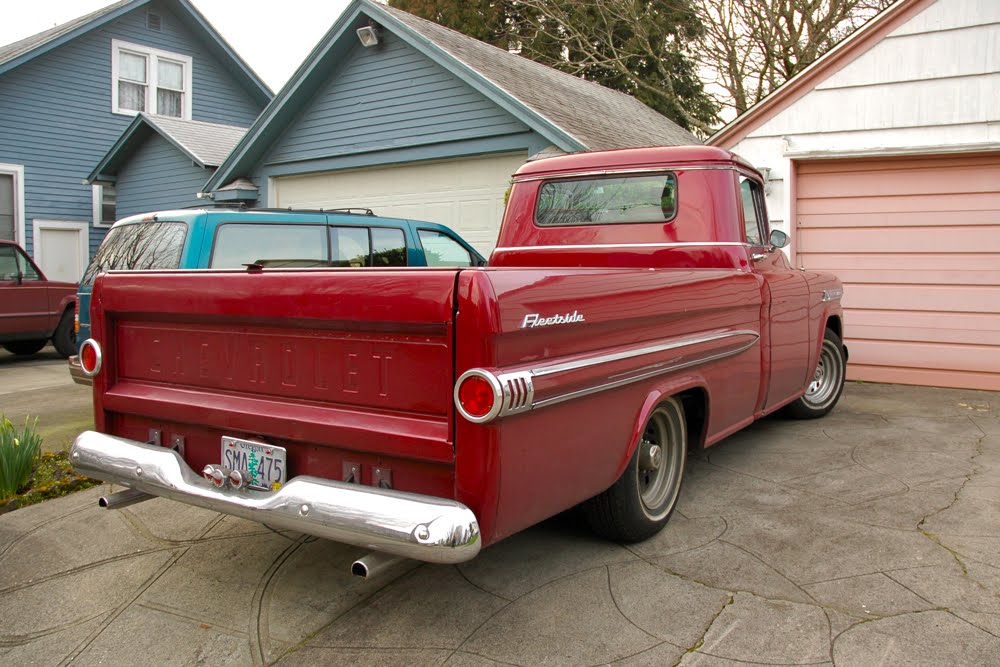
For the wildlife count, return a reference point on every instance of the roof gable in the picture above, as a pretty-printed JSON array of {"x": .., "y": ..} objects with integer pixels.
[
  {"x": 205, "y": 144},
  {"x": 25, "y": 50},
  {"x": 571, "y": 113},
  {"x": 859, "y": 42}
]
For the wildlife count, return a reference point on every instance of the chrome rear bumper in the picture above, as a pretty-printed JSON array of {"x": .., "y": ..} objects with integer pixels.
[
  {"x": 76, "y": 371},
  {"x": 424, "y": 528}
]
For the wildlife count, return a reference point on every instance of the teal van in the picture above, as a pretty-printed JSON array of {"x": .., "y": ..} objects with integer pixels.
[{"x": 221, "y": 238}]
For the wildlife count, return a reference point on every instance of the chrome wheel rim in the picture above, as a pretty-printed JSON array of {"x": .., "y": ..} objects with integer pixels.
[
  {"x": 827, "y": 378},
  {"x": 662, "y": 449}
]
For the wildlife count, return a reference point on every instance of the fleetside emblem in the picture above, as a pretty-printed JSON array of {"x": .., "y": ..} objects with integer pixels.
[{"x": 532, "y": 320}]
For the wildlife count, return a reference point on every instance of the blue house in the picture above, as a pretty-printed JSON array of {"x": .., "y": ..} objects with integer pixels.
[
  {"x": 68, "y": 94},
  {"x": 411, "y": 119}
]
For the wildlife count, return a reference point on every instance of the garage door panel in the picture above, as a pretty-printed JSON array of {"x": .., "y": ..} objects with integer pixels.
[
  {"x": 933, "y": 327},
  {"x": 916, "y": 203},
  {"x": 960, "y": 180},
  {"x": 925, "y": 377},
  {"x": 900, "y": 219},
  {"x": 964, "y": 299},
  {"x": 941, "y": 356},
  {"x": 465, "y": 194},
  {"x": 917, "y": 243},
  {"x": 901, "y": 240}
]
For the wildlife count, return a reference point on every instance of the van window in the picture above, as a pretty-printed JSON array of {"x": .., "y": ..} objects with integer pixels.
[
  {"x": 140, "y": 246},
  {"x": 281, "y": 245},
  {"x": 388, "y": 247},
  {"x": 442, "y": 250}
]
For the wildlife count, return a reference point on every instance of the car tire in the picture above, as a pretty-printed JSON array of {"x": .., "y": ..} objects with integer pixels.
[
  {"x": 827, "y": 383},
  {"x": 639, "y": 504},
  {"x": 64, "y": 338},
  {"x": 23, "y": 348}
]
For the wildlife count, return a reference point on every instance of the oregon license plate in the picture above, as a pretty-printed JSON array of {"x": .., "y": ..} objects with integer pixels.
[{"x": 262, "y": 465}]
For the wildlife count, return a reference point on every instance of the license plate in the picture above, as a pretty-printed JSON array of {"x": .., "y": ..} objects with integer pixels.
[{"x": 262, "y": 465}]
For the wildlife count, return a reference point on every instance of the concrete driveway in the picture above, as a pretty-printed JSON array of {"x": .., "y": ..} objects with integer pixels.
[{"x": 869, "y": 537}]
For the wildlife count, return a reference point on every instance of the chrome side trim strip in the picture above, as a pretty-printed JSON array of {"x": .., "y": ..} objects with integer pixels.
[
  {"x": 436, "y": 530},
  {"x": 660, "y": 370},
  {"x": 604, "y": 246},
  {"x": 662, "y": 347},
  {"x": 665, "y": 169}
]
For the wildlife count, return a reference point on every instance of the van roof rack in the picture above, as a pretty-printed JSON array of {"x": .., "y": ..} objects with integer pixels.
[{"x": 351, "y": 211}]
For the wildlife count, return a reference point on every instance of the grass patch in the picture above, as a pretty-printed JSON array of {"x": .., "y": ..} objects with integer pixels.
[{"x": 51, "y": 477}]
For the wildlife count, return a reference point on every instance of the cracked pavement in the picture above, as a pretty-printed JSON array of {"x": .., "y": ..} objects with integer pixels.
[{"x": 871, "y": 536}]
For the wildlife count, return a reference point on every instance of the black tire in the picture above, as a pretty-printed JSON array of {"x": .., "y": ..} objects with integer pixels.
[
  {"x": 64, "y": 339},
  {"x": 23, "y": 348},
  {"x": 640, "y": 503},
  {"x": 827, "y": 385}
]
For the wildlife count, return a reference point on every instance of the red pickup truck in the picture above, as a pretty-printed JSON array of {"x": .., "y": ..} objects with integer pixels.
[{"x": 636, "y": 306}]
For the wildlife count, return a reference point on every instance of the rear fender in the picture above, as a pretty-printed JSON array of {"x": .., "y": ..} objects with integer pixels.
[{"x": 694, "y": 385}]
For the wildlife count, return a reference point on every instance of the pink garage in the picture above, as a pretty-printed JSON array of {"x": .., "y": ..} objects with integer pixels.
[{"x": 883, "y": 163}]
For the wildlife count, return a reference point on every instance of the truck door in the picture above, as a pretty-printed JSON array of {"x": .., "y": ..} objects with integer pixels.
[{"x": 786, "y": 303}]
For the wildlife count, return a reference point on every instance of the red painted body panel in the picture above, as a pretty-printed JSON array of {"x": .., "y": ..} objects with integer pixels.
[{"x": 359, "y": 366}]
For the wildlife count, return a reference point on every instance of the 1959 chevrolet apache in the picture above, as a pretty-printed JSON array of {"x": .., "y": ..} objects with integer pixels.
[{"x": 636, "y": 306}]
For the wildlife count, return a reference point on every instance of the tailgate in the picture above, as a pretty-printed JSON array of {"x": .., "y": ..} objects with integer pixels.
[{"x": 325, "y": 362}]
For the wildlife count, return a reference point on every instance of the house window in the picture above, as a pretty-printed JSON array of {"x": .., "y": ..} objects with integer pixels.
[
  {"x": 150, "y": 81},
  {"x": 105, "y": 205}
]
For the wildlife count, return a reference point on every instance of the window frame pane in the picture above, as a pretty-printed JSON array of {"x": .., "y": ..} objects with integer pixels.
[
  {"x": 286, "y": 230},
  {"x": 584, "y": 188},
  {"x": 428, "y": 253}
]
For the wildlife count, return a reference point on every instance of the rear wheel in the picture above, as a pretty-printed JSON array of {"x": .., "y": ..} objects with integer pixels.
[
  {"x": 64, "y": 339},
  {"x": 24, "y": 347},
  {"x": 827, "y": 382},
  {"x": 640, "y": 503}
]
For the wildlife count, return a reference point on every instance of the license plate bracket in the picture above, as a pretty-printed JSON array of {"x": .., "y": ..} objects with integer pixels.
[{"x": 262, "y": 464}]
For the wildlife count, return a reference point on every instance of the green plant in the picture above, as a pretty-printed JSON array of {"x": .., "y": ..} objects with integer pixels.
[{"x": 19, "y": 452}]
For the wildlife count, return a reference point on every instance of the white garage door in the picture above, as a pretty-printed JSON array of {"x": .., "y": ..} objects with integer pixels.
[
  {"x": 917, "y": 243},
  {"x": 466, "y": 194}
]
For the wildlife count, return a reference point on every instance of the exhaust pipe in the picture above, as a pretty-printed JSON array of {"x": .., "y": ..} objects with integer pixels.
[
  {"x": 374, "y": 564},
  {"x": 117, "y": 501}
]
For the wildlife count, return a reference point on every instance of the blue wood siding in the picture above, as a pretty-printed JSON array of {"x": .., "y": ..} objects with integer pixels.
[
  {"x": 387, "y": 98},
  {"x": 56, "y": 120},
  {"x": 158, "y": 177}
]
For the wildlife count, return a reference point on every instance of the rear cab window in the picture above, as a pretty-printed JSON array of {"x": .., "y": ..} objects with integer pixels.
[
  {"x": 629, "y": 198},
  {"x": 140, "y": 246}
]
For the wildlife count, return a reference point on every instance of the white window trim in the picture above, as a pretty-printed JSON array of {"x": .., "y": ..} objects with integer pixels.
[
  {"x": 38, "y": 225},
  {"x": 97, "y": 206},
  {"x": 17, "y": 171},
  {"x": 152, "y": 54}
]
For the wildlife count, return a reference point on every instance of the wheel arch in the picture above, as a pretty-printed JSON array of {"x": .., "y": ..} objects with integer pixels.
[{"x": 693, "y": 394}]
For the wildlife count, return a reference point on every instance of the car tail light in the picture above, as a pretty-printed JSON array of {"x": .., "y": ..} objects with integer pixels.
[
  {"x": 91, "y": 357},
  {"x": 478, "y": 396},
  {"x": 76, "y": 316}
]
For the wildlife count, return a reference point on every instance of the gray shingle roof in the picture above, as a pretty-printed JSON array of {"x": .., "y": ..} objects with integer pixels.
[
  {"x": 207, "y": 143},
  {"x": 600, "y": 118},
  {"x": 28, "y": 44}
]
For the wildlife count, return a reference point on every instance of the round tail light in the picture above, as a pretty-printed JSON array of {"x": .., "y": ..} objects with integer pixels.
[
  {"x": 91, "y": 357},
  {"x": 478, "y": 396}
]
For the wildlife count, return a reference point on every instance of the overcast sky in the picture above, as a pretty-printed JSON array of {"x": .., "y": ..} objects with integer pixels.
[{"x": 273, "y": 37}]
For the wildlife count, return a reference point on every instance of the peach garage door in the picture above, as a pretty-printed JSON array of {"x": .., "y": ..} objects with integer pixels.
[{"x": 917, "y": 243}]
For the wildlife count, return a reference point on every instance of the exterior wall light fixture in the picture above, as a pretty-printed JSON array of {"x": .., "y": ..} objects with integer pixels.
[{"x": 368, "y": 35}]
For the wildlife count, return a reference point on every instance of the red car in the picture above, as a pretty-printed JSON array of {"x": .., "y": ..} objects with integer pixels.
[{"x": 33, "y": 309}]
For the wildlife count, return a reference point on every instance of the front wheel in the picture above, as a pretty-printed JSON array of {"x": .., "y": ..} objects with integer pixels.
[
  {"x": 640, "y": 503},
  {"x": 827, "y": 382}
]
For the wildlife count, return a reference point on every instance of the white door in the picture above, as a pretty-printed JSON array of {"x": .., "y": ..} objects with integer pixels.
[
  {"x": 466, "y": 194},
  {"x": 61, "y": 249}
]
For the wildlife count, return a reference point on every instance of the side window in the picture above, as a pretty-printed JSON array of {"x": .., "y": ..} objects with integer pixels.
[
  {"x": 8, "y": 263},
  {"x": 442, "y": 250},
  {"x": 388, "y": 247},
  {"x": 351, "y": 246},
  {"x": 237, "y": 244},
  {"x": 752, "y": 211},
  {"x": 28, "y": 271}
]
